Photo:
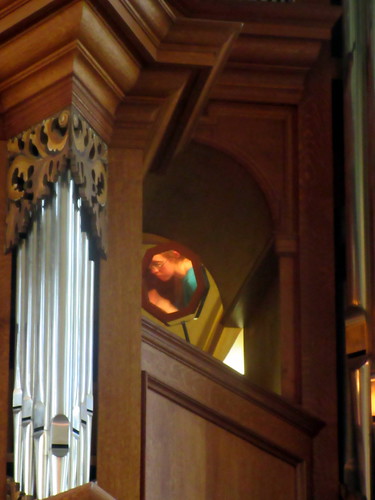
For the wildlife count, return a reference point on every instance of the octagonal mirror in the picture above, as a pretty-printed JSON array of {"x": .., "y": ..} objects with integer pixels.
[{"x": 174, "y": 283}]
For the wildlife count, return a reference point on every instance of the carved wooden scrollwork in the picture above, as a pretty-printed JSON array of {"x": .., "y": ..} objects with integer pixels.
[
  {"x": 88, "y": 161},
  {"x": 38, "y": 156}
]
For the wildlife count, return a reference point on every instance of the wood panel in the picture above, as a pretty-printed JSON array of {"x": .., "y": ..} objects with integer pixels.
[
  {"x": 193, "y": 406},
  {"x": 263, "y": 139},
  {"x": 257, "y": 137},
  {"x": 194, "y": 452},
  {"x": 119, "y": 384}
]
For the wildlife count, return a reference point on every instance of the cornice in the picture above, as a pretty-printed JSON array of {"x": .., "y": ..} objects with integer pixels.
[
  {"x": 144, "y": 22},
  {"x": 292, "y": 20},
  {"x": 71, "y": 44},
  {"x": 277, "y": 47},
  {"x": 102, "y": 57},
  {"x": 267, "y": 69},
  {"x": 98, "y": 56}
]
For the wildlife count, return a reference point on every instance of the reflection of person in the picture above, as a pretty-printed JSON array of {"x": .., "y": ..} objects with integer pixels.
[
  {"x": 161, "y": 302},
  {"x": 172, "y": 268}
]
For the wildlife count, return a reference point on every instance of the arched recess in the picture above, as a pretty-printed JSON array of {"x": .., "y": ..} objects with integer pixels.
[{"x": 210, "y": 203}]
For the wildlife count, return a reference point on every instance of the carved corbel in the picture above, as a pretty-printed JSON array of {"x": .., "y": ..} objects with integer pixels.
[{"x": 40, "y": 155}]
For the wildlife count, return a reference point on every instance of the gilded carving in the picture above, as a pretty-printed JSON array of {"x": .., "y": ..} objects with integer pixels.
[
  {"x": 89, "y": 170},
  {"x": 37, "y": 158}
]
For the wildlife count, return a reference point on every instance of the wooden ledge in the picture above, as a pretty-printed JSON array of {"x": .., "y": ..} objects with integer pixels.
[
  {"x": 89, "y": 491},
  {"x": 192, "y": 356}
]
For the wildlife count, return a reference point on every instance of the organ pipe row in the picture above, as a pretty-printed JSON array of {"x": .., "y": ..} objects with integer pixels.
[{"x": 53, "y": 385}]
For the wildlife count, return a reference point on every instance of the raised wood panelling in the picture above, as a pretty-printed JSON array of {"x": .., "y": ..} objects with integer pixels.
[
  {"x": 200, "y": 362},
  {"x": 193, "y": 453},
  {"x": 197, "y": 403},
  {"x": 257, "y": 137},
  {"x": 179, "y": 398}
]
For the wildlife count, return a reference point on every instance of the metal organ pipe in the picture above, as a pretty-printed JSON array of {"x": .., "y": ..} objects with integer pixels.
[
  {"x": 76, "y": 346},
  {"x": 42, "y": 380},
  {"x": 53, "y": 396},
  {"x": 20, "y": 349},
  {"x": 29, "y": 364},
  {"x": 89, "y": 397}
]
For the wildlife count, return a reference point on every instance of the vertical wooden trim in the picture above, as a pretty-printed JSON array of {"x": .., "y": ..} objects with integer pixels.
[
  {"x": 145, "y": 383},
  {"x": 316, "y": 271},
  {"x": 303, "y": 482},
  {"x": 289, "y": 329},
  {"x": 5, "y": 312},
  {"x": 119, "y": 377},
  {"x": 287, "y": 249}
]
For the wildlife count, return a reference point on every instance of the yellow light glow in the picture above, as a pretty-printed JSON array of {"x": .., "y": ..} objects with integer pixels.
[
  {"x": 373, "y": 397},
  {"x": 235, "y": 357}
]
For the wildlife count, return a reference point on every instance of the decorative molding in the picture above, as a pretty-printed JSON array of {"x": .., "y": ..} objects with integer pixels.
[
  {"x": 178, "y": 397},
  {"x": 277, "y": 47},
  {"x": 57, "y": 62},
  {"x": 299, "y": 459},
  {"x": 39, "y": 155},
  {"x": 199, "y": 361},
  {"x": 294, "y": 20},
  {"x": 167, "y": 99},
  {"x": 58, "y": 55}
]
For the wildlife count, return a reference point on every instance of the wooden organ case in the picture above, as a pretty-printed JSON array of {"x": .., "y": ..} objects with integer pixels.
[{"x": 148, "y": 79}]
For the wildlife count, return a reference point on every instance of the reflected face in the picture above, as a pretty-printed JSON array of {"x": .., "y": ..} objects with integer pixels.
[{"x": 162, "y": 268}]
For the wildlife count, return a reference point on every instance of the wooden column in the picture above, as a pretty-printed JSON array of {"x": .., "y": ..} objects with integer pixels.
[
  {"x": 118, "y": 455},
  {"x": 316, "y": 267}
]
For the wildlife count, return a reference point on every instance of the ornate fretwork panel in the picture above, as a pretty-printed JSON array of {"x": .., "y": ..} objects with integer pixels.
[{"x": 40, "y": 155}]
